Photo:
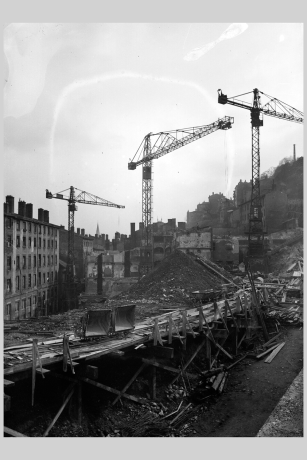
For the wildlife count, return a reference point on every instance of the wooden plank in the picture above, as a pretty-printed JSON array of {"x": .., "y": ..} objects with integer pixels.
[
  {"x": 166, "y": 368},
  {"x": 42, "y": 371},
  {"x": 267, "y": 351},
  {"x": 8, "y": 383},
  {"x": 58, "y": 413},
  {"x": 112, "y": 390},
  {"x": 217, "y": 381},
  {"x": 129, "y": 383},
  {"x": 271, "y": 340},
  {"x": 236, "y": 362},
  {"x": 274, "y": 353},
  {"x": 14, "y": 433}
]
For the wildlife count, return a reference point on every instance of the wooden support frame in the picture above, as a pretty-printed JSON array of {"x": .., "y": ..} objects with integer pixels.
[
  {"x": 129, "y": 383},
  {"x": 14, "y": 433},
  {"x": 113, "y": 390},
  {"x": 190, "y": 360},
  {"x": 58, "y": 413}
]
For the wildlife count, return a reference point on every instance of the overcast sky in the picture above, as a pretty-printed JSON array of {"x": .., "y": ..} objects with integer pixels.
[{"x": 79, "y": 98}]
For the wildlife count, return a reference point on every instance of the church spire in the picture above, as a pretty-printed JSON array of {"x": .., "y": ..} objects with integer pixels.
[{"x": 97, "y": 230}]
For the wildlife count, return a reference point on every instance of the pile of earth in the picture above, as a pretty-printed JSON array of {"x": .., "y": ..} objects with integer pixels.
[{"x": 173, "y": 281}]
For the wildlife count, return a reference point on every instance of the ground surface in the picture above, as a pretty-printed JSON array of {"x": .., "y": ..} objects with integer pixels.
[{"x": 252, "y": 392}]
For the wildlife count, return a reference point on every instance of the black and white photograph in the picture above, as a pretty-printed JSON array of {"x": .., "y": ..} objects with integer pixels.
[{"x": 153, "y": 263}]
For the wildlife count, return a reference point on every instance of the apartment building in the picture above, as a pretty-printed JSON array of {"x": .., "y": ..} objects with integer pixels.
[{"x": 31, "y": 262}]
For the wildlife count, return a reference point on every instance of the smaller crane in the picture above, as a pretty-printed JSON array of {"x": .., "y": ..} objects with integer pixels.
[{"x": 73, "y": 198}]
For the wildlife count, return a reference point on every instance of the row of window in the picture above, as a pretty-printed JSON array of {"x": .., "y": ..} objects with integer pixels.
[
  {"x": 30, "y": 280},
  {"x": 24, "y": 242},
  {"x": 29, "y": 226},
  {"x": 41, "y": 261},
  {"x": 29, "y": 303}
]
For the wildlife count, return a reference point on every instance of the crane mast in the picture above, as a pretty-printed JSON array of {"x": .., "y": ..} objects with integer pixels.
[
  {"x": 154, "y": 146},
  {"x": 72, "y": 198},
  {"x": 274, "y": 108}
]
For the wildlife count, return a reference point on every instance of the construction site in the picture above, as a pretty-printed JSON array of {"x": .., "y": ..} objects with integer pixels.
[{"x": 188, "y": 330}]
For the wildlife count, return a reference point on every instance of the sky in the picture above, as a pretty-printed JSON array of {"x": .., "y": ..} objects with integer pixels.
[{"x": 79, "y": 98}]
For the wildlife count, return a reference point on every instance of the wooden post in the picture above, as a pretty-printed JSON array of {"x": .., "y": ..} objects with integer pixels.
[
  {"x": 184, "y": 329},
  {"x": 153, "y": 382},
  {"x": 170, "y": 329},
  {"x": 59, "y": 413},
  {"x": 201, "y": 319},
  {"x": 64, "y": 354},
  {"x": 80, "y": 403},
  {"x": 33, "y": 368},
  {"x": 208, "y": 353}
]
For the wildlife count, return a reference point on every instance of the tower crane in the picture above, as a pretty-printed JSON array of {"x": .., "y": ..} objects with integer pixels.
[
  {"x": 273, "y": 108},
  {"x": 155, "y": 146},
  {"x": 72, "y": 197}
]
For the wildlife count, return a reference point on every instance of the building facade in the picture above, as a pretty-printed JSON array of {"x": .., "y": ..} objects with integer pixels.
[{"x": 31, "y": 262}]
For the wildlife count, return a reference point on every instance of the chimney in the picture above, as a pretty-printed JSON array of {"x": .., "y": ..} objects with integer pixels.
[
  {"x": 82, "y": 231},
  {"x": 5, "y": 207},
  {"x": 10, "y": 204},
  {"x": 132, "y": 228},
  {"x": 46, "y": 216},
  {"x": 22, "y": 208},
  {"x": 141, "y": 226},
  {"x": 29, "y": 210},
  {"x": 294, "y": 153},
  {"x": 103, "y": 237},
  {"x": 78, "y": 231},
  {"x": 41, "y": 214}
]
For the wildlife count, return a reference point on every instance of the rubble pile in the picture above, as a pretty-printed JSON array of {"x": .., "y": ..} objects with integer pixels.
[{"x": 173, "y": 281}]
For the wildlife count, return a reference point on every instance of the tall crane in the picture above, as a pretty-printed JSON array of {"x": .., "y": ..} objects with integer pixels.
[
  {"x": 273, "y": 108},
  {"x": 155, "y": 146},
  {"x": 73, "y": 198}
]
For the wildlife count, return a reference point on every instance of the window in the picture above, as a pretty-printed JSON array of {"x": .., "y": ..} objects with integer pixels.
[
  {"x": 16, "y": 306},
  {"x": 8, "y": 309},
  {"x": 52, "y": 243},
  {"x": 30, "y": 241},
  {"x": 23, "y": 261},
  {"x": 29, "y": 261},
  {"x": 48, "y": 244},
  {"x": 34, "y": 300},
  {"x": 17, "y": 262},
  {"x": 34, "y": 261},
  {"x": 24, "y": 226},
  {"x": 18, "y": 241},
  {"x": 35, "y": 242},
  {"x": 29, "y": 302},
  {"x": 24, "y": 241},
  {"x": 24, "y": 282},
  {"x": 44, "y": 243},
  {"x": 39, "y": 242},
  {"x": 17, "y": 283},
  {"x": 48, "y": 277},
  {"x": 18, "y": 225},
  {"x": 34, "y": 280},
  {"x": 8, "y": 285},
  {"x": 29, "y": 226},
  {"x": 39, "y": 278},
  {"x": 23, "y": 304},
  {"x": 48, "y": 260},
  {"x": 29, "y": 281},
  {"x": 8, "y": 222},
  {"x": 44, "y": 261},
  {"x": 35, "y": 228},
  {"x": 51, "y": 260},
  {"x": 39, "y": 260},
  {"x": 51, "y": 277},
  {"x": 9, "y": 263},
  {"x": 44, "y": 278},
  {"x": 9, "y": 241}
]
